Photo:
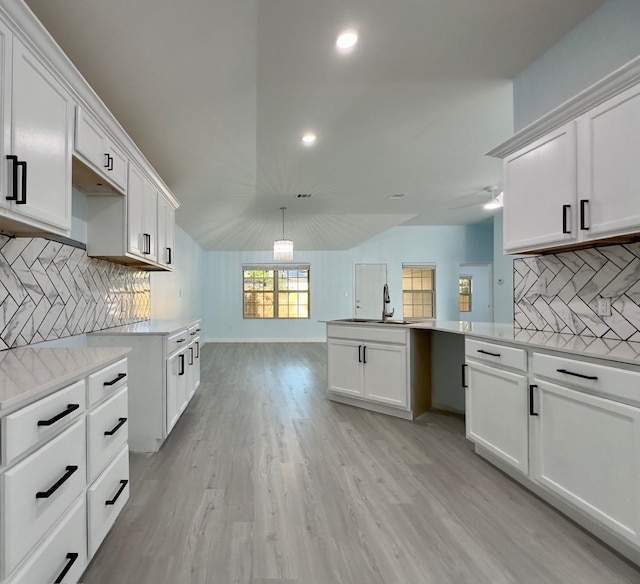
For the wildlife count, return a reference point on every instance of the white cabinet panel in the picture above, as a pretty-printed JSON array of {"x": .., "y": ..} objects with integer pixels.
[
  {"x": 385, "y": 374},
  {"x": 135, "y": 205},
  {"x": 541, "y": 193},
  {"x": 500, "y": 355},
  {"x": 107, "y": 381},
  {"x": 176, "y": 387},
  {"x": 5, "y": 110},
  {"x": 587, "y": 450},
  {"x": 345, "y": 367},
  {"x": 497, "y": 413},
  {"x": 609, "y": 173}
]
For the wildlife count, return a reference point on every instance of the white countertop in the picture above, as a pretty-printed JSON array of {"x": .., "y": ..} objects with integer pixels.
[
  {"x": 149, "y": 327},
  {"x": 620, "y": 351},
  {"x": 28, "y": 374}
]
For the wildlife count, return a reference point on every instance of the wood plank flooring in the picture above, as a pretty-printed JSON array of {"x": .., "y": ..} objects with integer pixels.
[{"x": 264, "y": 481}]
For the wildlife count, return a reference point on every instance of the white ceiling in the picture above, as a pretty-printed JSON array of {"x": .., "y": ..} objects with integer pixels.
[{"x": 217, "y": 94}]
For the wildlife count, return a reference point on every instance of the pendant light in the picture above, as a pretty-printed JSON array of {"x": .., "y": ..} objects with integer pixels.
[{"x": 283, "y": 248}]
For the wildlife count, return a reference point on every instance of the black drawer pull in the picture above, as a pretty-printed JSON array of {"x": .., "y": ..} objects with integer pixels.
[
  {"x": 531, "y": 408},
  {"x": 72, "y": 557},
  {"x": 488, "y": 353},
  {"x": 190, "y": 355},
  {"x": 51, "y": 421},
  {"x": 117, "y": 427},
  {"x": 23, "y": 200},
  {"x": 181, "y": 363},
  {"x": 115, "y": 379},
  {"x": 106, "y": 164},
  {"x": 583, "y": 221},
  {"x": 464, "y": 376},
  {"x": 197, "y": 349},
  {"x": 169, "y": 261},
  {"x": 123, "y": 484},
  {"x": 565, "y": 224},
  {"x": 14, "y": 180},
  {"x": 592, "y": 377},
  {"x": 364, "y": 354},
  {"x": 193, "y": 333},
  {"x": 46, "y": 494},
  {"x": 181, "y": 340}
]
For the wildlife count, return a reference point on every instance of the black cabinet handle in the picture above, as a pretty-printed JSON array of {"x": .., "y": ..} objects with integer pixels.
[
  {"x": 147, "y": 243},
  {"x": 193, "y": 334},
  {"x": 190, "y": 355},
  {"x": 197, "y": 349},
  {"x": 592, "y": 377},
  {"x": 14, "y": 181},
  {"x": 51, "y": 421},
  {"x": 464, "y": 376},
  {"x": 23, "y": 200},
  {"x": 565, "y": 221},
  {"x": 46, "y": 494},
  {"x": 106, "y": 164},
  {"x": 115, "y": 379},
  {"x": 364, "y": 354},
  {"x": 123, "y": 484},
  {"x": 71, "y": 557},
  {"x": 169, "y": 259},
  {"x": 359, "y": 353},
  {"x": 111, "y": 163},
  {"x": 181, "y": 340},
  {"x": 531, "y": 410},
  {"x": 181, "y": 359},
  {"x": 121, "y": 422},
  {"x": 583, "y": 221},
  {"x": 488, "y": 353}
]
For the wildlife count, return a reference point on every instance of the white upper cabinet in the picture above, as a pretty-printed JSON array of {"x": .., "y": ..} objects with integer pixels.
[
  {"x": 135, "y": 203},
  {"x": 37, "y": 141},
  {"x": 150, "y": 219},
  {"x": 540, "y": 192},
  {"x": 166, "y": 233},
  {"x": 571, "y": 178},
  {"x": 608, "y": 159},
  {"x": 97, "y": 150}
]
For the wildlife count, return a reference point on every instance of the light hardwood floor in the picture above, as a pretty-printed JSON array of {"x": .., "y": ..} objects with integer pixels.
[{"x": 264, "y": 481}]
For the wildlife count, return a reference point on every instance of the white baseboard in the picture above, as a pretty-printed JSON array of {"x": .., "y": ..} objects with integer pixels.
[{"x": 322, "y": 340}]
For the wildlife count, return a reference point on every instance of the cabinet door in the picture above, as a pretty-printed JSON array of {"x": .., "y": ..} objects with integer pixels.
[
  {"x": 118, "y": 168},
  {"x": 541, "y": 193},
  {"x": 150, "y": 219},
  {"x": 91, "y": 141},
  {"x": 135, "y": 203},
  {"x": 587, "y": 450},
  {"x": 609, "y": 173},
  {"x": 42, "y": 130},
  {"x": 5, "y": 113},
  {"x": 497, "y": 413},
  {"x": 385, "y": 374},
  {"x": 345, "y": 374},
  {"x": 176, "y": 388}
]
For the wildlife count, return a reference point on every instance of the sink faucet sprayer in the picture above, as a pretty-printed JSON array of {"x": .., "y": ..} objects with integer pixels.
[{"x": 386, "y": 300}]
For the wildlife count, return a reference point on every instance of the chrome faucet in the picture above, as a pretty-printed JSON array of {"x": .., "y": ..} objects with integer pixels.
[{"x": 386, "y": 300}]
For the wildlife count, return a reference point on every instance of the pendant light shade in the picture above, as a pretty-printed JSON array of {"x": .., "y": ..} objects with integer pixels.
[{"x": 283, "y": 248}]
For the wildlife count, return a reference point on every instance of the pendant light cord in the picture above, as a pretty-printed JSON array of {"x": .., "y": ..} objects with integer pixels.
[{"x": 283, "y": 210}]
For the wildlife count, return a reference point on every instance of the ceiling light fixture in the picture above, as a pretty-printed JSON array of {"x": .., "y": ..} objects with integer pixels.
[
  {"x": 496, "y": 201},
  {"x": 347, "y": 40},
  {"x": 309, "y": 138},
  {"x": 283, "y": 248}
]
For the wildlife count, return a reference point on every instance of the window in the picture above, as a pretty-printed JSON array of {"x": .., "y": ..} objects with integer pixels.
[
  {"x": 272, "y": 291},
  {"x": 465, "y": 287},
  {"x": 418, "y": 290}
]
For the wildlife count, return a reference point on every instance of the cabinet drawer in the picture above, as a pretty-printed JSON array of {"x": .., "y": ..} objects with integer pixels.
[
  {"x": 177, "y": 341},
  {"x": 37, "y": 491},
  {"x": 496, "y": 354},
  {"x": 610, "y": 381},
  {"x": 377, "y": 334},
  {"x": 107, "y": 381},
  {"x": 41, "y": 420},
  {"x": 106, "y": 498},
  {"x": 107, "y": 431},
  {"x": 63, "y": 553}
]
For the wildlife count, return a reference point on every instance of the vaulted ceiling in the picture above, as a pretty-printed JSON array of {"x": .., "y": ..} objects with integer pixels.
[{"x": 217, "y": 94}]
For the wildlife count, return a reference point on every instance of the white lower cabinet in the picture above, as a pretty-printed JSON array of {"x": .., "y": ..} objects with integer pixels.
[
  {"x": 345, "y": 367},
  {"x": 496, "y": 413},
  {"x": 176, "y": 387},
  {"x": 586, "y": 449},
  {"x": 51, "y": 481}
]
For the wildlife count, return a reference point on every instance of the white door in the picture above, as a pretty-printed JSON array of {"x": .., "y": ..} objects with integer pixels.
[
  {"x": 481, "y": 302},
  {"x": 344, "y": 360},
  {"x": 587, "y": 450},
  {"x": 540, "y": 194},
  {"x": 497, "y": 413},
  {"x": 609, "y": 173},
  {"x": 385, "y": 374},
  {"x": 42, "y": 132},
  {"x": 370, "y": 280}
]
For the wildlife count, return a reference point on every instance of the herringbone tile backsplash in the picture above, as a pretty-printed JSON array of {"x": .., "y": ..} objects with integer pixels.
[
  {"x": 49, "y": 290},
  {"x": 572, "y": 283}
]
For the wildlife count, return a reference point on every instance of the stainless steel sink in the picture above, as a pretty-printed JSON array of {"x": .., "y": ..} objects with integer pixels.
[
  {"x": 371, "y": 321},
  {"x": 392, "y": 322}
]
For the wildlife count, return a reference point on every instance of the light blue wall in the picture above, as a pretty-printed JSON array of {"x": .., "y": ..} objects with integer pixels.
[
  {"x": 180, "y": 294},
  {"x": 332, "y": 274},
  {"x": 502, "y": 272},
  {"x": 601, "y": 43}
]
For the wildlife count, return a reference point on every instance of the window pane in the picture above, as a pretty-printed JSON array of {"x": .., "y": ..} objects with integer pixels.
[{"x": 289, "y": 289}]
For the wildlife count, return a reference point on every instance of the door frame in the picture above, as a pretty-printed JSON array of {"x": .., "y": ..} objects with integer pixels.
[
  {"x": 489, "y": 265},
  {"x": 355, "y": 270}
]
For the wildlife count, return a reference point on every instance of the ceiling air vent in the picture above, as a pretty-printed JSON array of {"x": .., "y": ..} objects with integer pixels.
[
  {"x": 303, "y": 195},
  {"x": 397, "y": 196}
]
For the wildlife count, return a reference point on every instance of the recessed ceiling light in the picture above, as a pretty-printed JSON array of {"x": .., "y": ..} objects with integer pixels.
[
  {"x": 309, "y": 138},
  {"x": 347, "y": 40}
]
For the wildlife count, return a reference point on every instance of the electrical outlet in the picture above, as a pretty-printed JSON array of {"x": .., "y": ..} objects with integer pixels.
[{"x": 604, "y": 306}]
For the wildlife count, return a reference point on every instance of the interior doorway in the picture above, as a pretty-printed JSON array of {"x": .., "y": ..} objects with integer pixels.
[
  {"x": 369, "y": 282},
  {"x": 475, "y": 292}
]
